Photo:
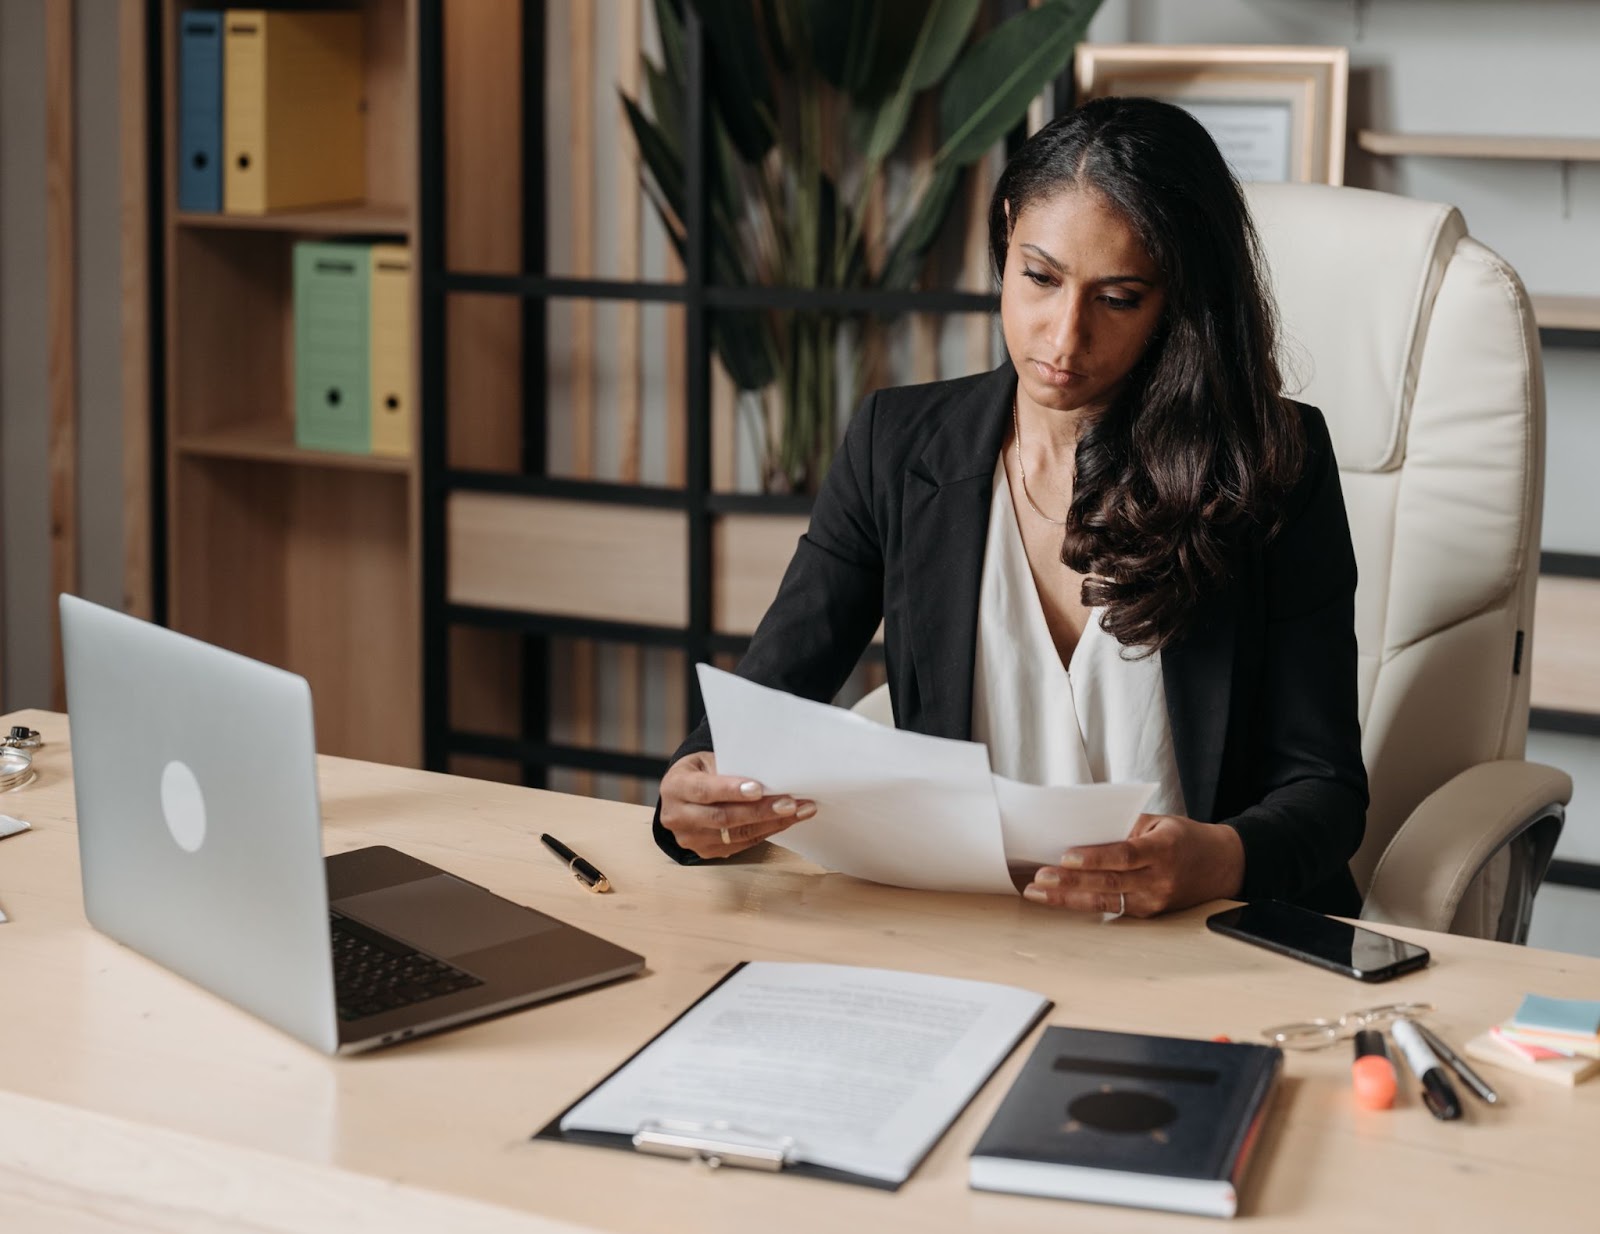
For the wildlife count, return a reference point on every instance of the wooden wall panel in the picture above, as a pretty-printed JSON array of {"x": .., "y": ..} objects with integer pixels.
[
  {"x": 725, "y": 430},
  {"x": 629, "y": 243},
  {"x": 749, "y": 554},
  {"x": 580, "y": 244},
  {"x": 579, "y": 402},
  {"x": 483, "y": 334},
  {"x": 483, "y": 135},
  {"x": 483, "y": 231},
  {"x": 630, "y": 360},
  {"x": 543, "y": 555},
  {"x": 1566, "y": 645}
]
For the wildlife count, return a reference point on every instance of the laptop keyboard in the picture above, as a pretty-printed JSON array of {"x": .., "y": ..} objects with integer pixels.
[{"x": 373, "y": 973}]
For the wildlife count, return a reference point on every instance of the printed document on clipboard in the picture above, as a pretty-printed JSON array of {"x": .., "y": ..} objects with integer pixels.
[{"x": 828, "y": 1070}]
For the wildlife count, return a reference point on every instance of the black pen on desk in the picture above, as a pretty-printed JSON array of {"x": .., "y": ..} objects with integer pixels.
[
  {"x": 1469, "y": 1077},
  {"x": 581, "y": 869},
  {"x": 1438, "y": 1094}
]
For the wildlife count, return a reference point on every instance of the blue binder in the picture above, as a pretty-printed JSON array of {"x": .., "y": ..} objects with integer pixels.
[{"x": 200, "y": 111}]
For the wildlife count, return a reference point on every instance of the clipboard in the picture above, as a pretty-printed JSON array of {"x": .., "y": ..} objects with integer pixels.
[{"x": 722, "y": 1144}]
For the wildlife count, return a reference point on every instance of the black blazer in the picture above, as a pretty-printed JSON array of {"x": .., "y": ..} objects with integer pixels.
[{"x": 1261, "y": 689}]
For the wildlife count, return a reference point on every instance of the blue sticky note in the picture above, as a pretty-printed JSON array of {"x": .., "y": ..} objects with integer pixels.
[{"x": 1559, "y": 1015}]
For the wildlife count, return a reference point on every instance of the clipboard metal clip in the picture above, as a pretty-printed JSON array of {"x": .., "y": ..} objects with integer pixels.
[{"x": 717, "y": 1144}]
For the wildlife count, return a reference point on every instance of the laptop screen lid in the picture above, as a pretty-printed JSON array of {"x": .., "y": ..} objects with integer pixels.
[{"x": 199, "y": 830}]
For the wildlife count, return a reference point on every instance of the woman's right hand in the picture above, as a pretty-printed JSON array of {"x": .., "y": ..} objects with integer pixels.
[{"x": 717, "y": 816}]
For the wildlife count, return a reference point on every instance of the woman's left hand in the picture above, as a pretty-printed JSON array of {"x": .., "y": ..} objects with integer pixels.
[{"x": 1166, "y": 863}]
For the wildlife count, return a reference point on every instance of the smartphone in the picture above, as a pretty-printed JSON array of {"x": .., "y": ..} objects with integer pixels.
[{"x": 1326, "y": 942}]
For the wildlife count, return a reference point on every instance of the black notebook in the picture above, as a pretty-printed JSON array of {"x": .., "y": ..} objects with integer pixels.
[{"x": 1122, "y": 1118}]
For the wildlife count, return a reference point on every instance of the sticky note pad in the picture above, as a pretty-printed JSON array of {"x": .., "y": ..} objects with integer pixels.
[
  {"x": 1495, "y": 1051},
  {"x": 1559, "y": 1015}
]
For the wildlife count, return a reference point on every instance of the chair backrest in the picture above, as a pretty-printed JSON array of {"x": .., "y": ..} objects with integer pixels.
[{"x": 1420, "y": 347}]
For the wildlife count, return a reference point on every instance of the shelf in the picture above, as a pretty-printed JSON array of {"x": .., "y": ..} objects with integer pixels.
[
  {"x": 333, "y": 220},
  {"x": 1567, "y": 312},
  {"x": 1566, "y": 658},
  {"x": 274, "y": 443},
  {"x": 1444, "y": 145}
]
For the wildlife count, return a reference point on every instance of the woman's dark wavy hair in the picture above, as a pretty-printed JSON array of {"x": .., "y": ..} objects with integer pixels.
[{"x": 1194, "y": 455}]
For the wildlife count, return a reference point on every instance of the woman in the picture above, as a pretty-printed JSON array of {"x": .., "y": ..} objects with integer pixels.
[{"x": 1123, "y": 555}]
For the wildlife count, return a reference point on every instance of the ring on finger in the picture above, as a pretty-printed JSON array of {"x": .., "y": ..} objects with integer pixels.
[
  {"x": 726, "y": 838},
  {"x": 1122, "y": 907}
]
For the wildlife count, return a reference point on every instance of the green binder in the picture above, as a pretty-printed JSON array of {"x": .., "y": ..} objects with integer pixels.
[{"x": 332, "y": 304}]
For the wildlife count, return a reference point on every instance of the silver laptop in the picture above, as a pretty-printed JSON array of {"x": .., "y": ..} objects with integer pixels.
[{"x": 200, "y": 836}]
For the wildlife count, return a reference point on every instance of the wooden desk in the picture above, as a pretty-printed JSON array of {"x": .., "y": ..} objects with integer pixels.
[{"x": 128, "y": 1095}]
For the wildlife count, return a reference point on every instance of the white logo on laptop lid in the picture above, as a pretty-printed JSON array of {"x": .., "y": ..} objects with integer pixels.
[{"x": 183, "y": 806}]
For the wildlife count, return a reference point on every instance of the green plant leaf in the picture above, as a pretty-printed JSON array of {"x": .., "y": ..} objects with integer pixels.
[
  {"x": 905, "y": 257},
  {"x": 949, "y": 25},
  {"x": 989, "y": 91},
  {"x": 843, "y": 35},
  {"x": 669, "y": 220},
  {"x": 740, "y": 339},
  {"x": 666, "y": 100},
  {"x": 884, "y": 63},
  {"x": 669, "y": 21},
  {"x": 944, "y": 26},
  {"x": 737, "y": 74},
  {"x": 658, "y": 155},
  {"x": 772, "y": 24}
]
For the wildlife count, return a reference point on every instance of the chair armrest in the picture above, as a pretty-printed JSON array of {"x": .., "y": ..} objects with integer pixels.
[{"x": 1453, "y": 833}]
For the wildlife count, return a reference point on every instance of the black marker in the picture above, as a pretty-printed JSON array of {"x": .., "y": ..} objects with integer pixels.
[{"x": 1438, "y": 1094}]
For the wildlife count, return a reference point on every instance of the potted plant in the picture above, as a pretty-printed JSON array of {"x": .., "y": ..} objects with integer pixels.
[{"x": 808, "y": 102}]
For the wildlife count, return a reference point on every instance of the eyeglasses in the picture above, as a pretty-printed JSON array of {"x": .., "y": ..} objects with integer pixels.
[{"x": 1315, "y": 1034}]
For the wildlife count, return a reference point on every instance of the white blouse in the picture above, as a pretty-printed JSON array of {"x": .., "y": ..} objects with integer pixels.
[{"x": 1100, "y": 719}]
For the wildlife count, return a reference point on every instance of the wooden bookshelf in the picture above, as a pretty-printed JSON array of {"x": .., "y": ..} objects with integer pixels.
[
  {"x": 364, "y": 220},
  {"x": 1464, "y": 146},
  {"x": 272, "y": 441},
  {"x": 305, "y": 559}
]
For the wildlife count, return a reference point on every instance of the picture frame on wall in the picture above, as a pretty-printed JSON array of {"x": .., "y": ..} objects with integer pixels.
[{"x": 1276, "y": 113}]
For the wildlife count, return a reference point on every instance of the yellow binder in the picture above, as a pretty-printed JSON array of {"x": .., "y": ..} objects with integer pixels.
[
  {"x": 390, "y": 325},
  {"x": 292, "y": 119}
]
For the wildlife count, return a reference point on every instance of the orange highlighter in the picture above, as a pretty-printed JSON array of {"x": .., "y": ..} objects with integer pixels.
[{"x": 1372, "y": 1074}]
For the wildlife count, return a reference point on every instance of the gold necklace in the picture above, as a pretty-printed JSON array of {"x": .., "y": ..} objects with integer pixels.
[{"x": 1022, "y": 472}]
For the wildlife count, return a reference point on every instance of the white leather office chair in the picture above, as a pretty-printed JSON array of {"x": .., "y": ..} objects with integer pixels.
[{"x": 1419, "y": 346}]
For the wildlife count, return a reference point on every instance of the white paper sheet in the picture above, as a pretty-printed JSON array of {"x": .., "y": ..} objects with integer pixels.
[
  {"x": 903, "y": 808},
  {"x": 862, "y": 1068},
  {"x": 1039, "y": 824},
  {"x": 894, "y": 807}
]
